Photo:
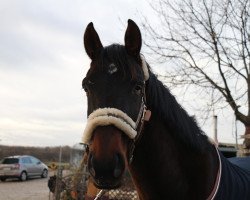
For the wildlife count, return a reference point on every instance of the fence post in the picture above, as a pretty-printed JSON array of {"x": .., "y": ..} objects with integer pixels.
[{"x": 59, "y": 177}]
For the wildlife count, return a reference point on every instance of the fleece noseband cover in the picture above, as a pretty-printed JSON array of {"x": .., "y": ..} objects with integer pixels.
[{"x": 109, "y": 116}]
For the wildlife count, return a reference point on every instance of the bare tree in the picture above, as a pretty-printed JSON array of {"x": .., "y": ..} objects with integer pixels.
[{"x": 208, "y": 42}]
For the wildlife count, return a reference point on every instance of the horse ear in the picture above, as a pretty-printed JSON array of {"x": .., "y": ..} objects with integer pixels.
[
  {"x": 92, "y": 42},
  {"x": 133, "y": 39}
]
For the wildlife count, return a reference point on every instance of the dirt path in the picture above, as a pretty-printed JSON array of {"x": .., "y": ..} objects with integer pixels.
[{"x": 33, "y": 189}]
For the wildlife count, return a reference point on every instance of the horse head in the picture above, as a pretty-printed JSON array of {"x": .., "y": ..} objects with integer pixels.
[{"x": 115, "y": 88}]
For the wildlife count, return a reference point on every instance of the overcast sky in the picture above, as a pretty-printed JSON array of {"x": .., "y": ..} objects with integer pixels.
[{"x": 42, "y": 64}]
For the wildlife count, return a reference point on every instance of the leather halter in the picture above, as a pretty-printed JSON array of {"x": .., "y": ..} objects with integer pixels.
[
  {"x": 144, "y": 114},
  {"x": 119, "y": 119}
]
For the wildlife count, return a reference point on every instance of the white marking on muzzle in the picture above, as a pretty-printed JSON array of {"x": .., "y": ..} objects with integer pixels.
[{"x": 109, "y": 116}]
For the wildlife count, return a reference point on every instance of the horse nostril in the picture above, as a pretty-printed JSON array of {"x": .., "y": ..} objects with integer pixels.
[
  {"x": 106, "y": 169},
  {"x": 119, "y": 166},
  {"x": 117, "y": 173}
]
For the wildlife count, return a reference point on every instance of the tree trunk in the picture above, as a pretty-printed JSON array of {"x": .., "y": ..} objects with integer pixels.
[
  {"x": 244, "y": 150},
  {"x": 246, "y": 137}
]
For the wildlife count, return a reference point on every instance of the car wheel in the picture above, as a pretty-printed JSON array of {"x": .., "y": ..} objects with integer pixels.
[
  {"x": 45, "y": 173},
  {"x": 3, "y": 179},
  {"x": 23, "y": 176}
]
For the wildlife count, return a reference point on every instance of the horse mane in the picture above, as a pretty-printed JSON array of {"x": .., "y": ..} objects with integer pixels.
[{"x": 181, "y": 125}]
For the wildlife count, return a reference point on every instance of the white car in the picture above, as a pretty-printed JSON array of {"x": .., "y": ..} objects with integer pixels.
[{"x": 22, "y": 167}]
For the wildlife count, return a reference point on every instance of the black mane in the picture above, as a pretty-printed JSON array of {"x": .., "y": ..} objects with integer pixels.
[{"x": 181, "y": 125}]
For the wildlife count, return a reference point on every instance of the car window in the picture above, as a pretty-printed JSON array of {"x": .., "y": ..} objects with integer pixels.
[
  {"x": 26, "y": 160},
  {"x": 10, "y": 161},
  {"x": 34, "y": 160}
]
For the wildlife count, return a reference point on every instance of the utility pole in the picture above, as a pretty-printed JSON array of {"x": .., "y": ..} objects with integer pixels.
[
  {"x": 236, "y": 135},
  {"x": 59, "y": 177},
  {"x": 216, "y": 130}
]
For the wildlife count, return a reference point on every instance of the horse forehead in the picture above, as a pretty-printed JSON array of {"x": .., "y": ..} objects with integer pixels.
[
  {"x": 112, "y": 68},
  {"x": 100, "y": 69}
]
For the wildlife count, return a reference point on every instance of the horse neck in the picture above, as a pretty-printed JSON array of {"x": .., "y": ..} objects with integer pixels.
[{"x": 165, "y": 167}]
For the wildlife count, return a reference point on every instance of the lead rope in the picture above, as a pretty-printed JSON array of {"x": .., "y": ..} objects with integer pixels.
[{"x": 100, "y": 194}]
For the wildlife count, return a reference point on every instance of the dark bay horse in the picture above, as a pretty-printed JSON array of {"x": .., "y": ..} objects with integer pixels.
[{"x": 134, "y": 122}]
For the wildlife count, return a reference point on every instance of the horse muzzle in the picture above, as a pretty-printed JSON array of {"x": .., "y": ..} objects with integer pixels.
[
  {"x": 106, "y": 175},
  {"x": 106, "y": 161}
]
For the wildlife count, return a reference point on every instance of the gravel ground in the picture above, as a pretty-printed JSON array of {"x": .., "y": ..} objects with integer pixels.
[{"x": 32, "y": 189}]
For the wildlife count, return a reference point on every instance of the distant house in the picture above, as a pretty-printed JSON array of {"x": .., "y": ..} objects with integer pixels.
[{"x": 228, "y": 150}]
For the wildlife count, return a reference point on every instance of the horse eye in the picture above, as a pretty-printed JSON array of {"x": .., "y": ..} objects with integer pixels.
[
  {"x": 138, "y": 89},
  {"x": 85, "y": 88},
  {"x": 86, "y": 83}
]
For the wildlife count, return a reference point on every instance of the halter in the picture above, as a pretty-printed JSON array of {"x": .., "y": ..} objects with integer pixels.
[{"x": 119, "y": 119}]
